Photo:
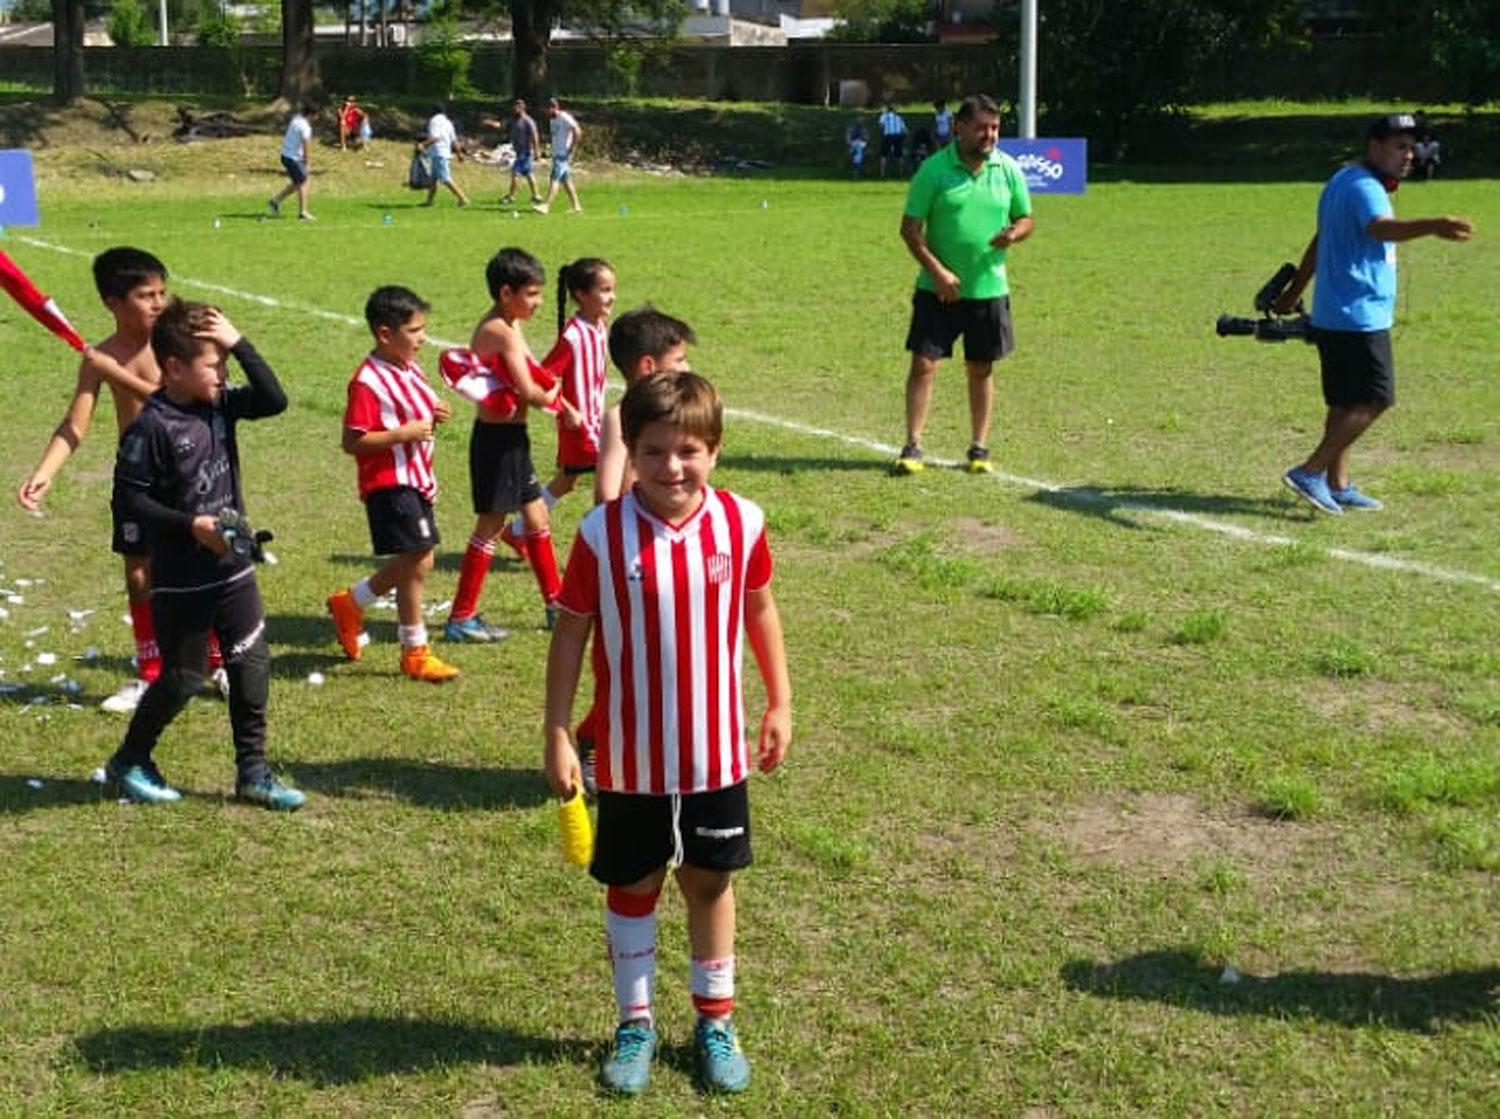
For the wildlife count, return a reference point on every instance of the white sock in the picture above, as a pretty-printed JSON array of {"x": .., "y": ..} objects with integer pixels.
[
  {"x": 712, "y": 986},
  {"x": 362, "y": 594},
  {"x": 632, "y": 953},
  {"x": 413, "y": 637}
]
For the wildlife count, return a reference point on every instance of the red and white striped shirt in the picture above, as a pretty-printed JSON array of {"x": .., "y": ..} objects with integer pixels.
[
  {"x": 580, "y": 360},
  {"x": 668, "y": 604},
  {"x": 382, "y": 397}
]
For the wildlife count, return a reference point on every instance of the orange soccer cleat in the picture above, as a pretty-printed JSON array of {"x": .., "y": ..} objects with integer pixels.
[
  {"x": 348, "y": 623},
  {"x": 421, "y": 663}
]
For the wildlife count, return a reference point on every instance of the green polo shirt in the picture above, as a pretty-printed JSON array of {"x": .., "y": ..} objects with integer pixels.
[{"x": 961, "y": 210}]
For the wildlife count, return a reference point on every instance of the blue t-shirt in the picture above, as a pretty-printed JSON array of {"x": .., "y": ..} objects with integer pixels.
[{"x": 1355, "y": 289}]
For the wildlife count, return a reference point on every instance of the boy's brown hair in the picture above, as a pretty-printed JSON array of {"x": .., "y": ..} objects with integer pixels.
[
  {"x": 686, "y": 401},
  {"x": 175, "y": 332}
]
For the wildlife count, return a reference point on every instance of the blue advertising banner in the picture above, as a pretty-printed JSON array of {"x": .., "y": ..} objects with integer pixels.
[
  {"x": 17, "y": 188},
  {"x": 1052, "y": 165}
]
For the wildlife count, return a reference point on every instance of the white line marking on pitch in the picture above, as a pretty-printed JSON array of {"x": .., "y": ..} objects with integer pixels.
[{"x": 1373, "y": 560}]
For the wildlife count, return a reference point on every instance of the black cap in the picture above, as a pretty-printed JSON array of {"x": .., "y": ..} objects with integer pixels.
[{"x": 1391, "y": 124}]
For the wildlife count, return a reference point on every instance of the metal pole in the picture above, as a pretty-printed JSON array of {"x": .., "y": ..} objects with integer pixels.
[
  {"x": 161, "y": 36},
  {"x": 1027, "y": 124}
]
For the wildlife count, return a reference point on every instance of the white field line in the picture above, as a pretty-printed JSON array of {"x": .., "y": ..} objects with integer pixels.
[{"x": 1068, "y": 495}]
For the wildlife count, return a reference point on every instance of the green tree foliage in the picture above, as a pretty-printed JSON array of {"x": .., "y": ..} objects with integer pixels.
[
  {"x": 882, "y": 21},
  {"x": 442, "y": 59},
  {"x": 1104, "y": 64},
  {"x": 633, "y": 33},
  {"x": 216, "y": 27},
  {"x": 31, "y": 11},
  {"x": 128, "y": 25},
  {"x": 1466, "y": 47}
]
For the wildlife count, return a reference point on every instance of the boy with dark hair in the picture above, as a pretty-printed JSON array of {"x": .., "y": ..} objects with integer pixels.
[
  {"x": 641, "y": 342},
  {"x": 132, "y": 284},
  {"x": 388, "y": 428},
  {"x": 177, "y": 473},
  {"x": 670, "y": 579},
  {"x": 501, "y": 475}
]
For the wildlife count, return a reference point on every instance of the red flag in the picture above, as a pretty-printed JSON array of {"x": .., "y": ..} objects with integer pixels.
[{"x": 35, "y": 304}]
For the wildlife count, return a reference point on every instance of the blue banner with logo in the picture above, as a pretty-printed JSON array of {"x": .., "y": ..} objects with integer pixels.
[
  {"x": 17, "y": 188},
  {"x": 1052, "y": 165}
]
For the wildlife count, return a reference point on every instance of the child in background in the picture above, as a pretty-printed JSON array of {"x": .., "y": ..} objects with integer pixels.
[
  {"x": 177, "y": 472},
  {"x": 641, "y": 342},
  {"x": 580, "y": 363},
  {"x": 671, "y": 578},
  {"x": 132, "y": 285},
  {"x": 857, "y": 141},
  {"x": 501, "y": 476},
  {"x": 388, "y": 428}
]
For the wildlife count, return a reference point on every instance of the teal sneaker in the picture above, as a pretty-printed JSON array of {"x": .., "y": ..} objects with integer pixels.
[
  {"x": 1350, "y": 497},
  {"x": 474, "y": 630},
  {"x": 721, "y": 1063},
  {"x": 142, "y": 783},
  {"x": 628, "y": 1069},
  {"x": 269, "y": 793}
]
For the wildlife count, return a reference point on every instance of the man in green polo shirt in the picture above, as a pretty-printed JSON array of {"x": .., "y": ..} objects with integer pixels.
[{"x": 966, "y": 206}]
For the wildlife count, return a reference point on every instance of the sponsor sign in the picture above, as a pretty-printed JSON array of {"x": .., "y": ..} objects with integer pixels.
[
  {"x": 17, "y": 188},
  {"x": 1052, "y": 165}
]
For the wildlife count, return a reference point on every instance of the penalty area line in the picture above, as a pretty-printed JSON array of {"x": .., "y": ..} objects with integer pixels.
[{"x": 1066, "y": 495}]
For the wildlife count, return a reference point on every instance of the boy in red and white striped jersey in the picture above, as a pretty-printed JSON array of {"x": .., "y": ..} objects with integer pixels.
[
  {"x": 388, "y": 428},
  {"x": 579, "y": 362},
  {"x": 670, "y": 579}
]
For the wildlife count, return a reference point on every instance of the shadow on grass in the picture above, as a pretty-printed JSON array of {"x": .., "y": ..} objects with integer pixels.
[
  {"x": 336, "y": 1051},
  {"x": 1115, "y": 503},
  {"x": 1180, "y": 977},
  {"x": 425, "y": 784},
  {"x": 17, "y": 796}
]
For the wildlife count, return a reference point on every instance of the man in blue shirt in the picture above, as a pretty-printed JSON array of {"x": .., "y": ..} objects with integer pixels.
[{"x": 1354, "y": 300}]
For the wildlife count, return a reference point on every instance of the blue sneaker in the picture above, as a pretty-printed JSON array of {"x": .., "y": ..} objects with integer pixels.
[
  {"x": 269, "y": 793},
  {"x": 473, "y": 629},
  {"x": 1311, "y": 488},
  {"x": 1350, "y": 497},
  {"x": 142, "y": 783},
  {"x": 721, "y": 1063},
  {"x": 628, "y": 1069}
]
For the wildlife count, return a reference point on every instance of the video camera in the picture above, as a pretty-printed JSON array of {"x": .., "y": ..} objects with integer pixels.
[
  {"x": 1270, "y": 327},
  {"x": 242, "y": 540}
]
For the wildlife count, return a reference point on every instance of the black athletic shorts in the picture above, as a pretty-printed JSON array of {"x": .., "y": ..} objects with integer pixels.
[
  {"x": 984, "y": 324},
  {"x": 635, "y": 834},
  {"x": 401, "y": 521},
  {"x": 501, "y": 476},
  {"x": 1358, "y": 367},
  {"x": 295, "y": 170}
]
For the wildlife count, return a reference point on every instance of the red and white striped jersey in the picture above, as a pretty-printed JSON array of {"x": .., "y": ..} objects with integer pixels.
[
  {"x": 580, "y": 360},
  {"x": 382, "y": 397},
  {"x": 668, "y": 604}
]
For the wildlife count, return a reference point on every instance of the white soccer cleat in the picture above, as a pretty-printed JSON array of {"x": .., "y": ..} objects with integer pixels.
[{"x": 127, "y": 699}]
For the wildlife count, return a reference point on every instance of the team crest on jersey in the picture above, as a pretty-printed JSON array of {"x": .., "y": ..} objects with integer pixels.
[
  {"x": 719, "y": 567},
  {"x": 184, "y": 446}
]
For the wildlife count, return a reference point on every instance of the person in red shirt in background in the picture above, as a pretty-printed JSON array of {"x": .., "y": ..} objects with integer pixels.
[{"x": 354, "y": 124}]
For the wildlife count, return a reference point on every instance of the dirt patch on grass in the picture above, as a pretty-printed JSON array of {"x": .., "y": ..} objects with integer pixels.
[
  {"x": 975, "y": 535},
  {"x": 1164, "y": 831},
  {"x": 1377, "y": 705}
]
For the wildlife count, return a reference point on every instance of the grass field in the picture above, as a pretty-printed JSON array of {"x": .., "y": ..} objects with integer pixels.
[{"x": 1121, "y": 784}]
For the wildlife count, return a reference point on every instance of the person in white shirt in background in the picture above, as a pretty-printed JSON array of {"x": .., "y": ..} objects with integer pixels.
[
  {"x": 442, "y": 146},
  {"x": 296, "y": 157},
  {"x": 565, "y": 137}
]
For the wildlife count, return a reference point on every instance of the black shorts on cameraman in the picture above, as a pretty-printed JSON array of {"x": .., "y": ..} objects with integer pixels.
[{"x": 183, "y": 620}]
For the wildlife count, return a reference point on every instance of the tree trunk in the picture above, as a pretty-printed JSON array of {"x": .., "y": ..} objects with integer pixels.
[
  {"x": 364, "y": 23},
  {"x": 67, "y": 51},
  {"x": 531, "y": 27},
  {"x": 299, "y": 66},
  {"x": 385, "y": 31}
]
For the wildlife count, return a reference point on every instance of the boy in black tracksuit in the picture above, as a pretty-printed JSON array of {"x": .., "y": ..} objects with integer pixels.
[{"x": 178, "y": 467}]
